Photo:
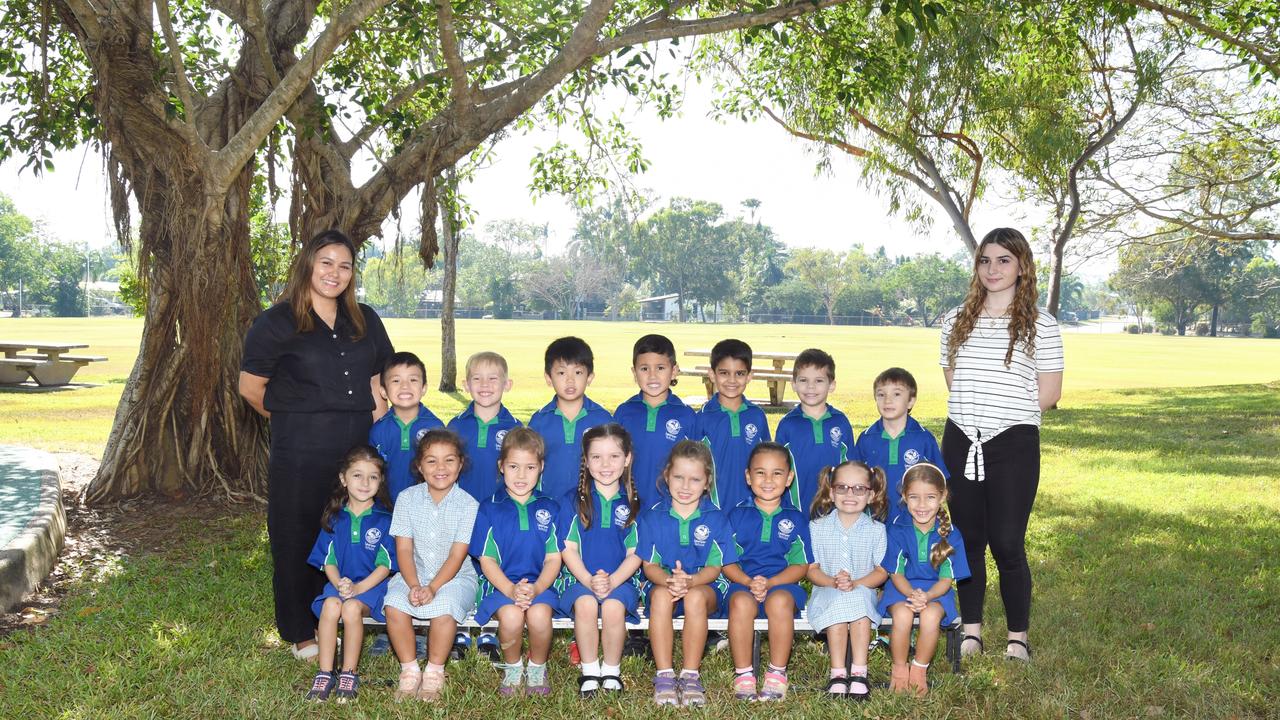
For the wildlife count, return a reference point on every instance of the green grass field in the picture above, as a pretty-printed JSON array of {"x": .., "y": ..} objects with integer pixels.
[{"x": 1157, "y": 586}]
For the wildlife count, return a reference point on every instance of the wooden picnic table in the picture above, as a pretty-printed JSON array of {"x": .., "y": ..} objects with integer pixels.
[
  {"x": 776, "y": 374},
  {"x": 50, "y": 365}
]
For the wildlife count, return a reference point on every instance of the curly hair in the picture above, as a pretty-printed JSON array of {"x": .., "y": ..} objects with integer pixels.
[{"x": 1022, "y": 311}]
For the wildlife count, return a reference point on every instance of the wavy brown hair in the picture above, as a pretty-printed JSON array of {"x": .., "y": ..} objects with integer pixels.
[
  {"x": 690, "y": 450},
  {"x": 1022, "y": 311},
  {"x": 824, "y": 502},
  {"x": 586, "y": 508},
  {"x": 338, "y": 499},
  {"x": 931, "y": 475},
  {"x": 297, "y": 291}
]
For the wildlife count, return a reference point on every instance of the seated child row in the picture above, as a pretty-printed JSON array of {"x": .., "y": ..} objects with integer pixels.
[{"x": 522, "y": 557}]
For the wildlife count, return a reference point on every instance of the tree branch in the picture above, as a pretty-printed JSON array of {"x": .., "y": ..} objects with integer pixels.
[
  {"x": 459, "y": 87},
  {"x": 186, "y": 92},
  {"x": 664, "y": 28},
  {"x": 1268, "y": 60}
]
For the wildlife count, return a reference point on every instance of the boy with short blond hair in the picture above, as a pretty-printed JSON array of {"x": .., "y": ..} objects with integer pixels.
[
  {"x": 484, "y": 423},
  {"x": 729, "y": 423},
  {"x": 569, "y": 367},
  {"x": 817, "y": 434},
  {"x": 896, "y": 441}
]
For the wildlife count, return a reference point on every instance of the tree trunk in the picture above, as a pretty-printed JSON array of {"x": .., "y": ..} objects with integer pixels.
[
  {"x": 1213, "y": 321},
  {"x": 448, "y": 337},
  {"x": 1055, "y": 273}
]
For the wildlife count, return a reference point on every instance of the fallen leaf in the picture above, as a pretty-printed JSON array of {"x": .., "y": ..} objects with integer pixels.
[
  {"x": 1154, "y": 711},
  {"x": 1148, "y": 626},
  {"x": 86, "y": 612}
]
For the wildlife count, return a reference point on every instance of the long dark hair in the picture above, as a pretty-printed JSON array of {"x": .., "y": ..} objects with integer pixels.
[
  {"x": 824, "y": 500},
  {"x": 586, "y": 508},
  {"x": 338, "y": 499},
  {"x": 297, "y": 291}
]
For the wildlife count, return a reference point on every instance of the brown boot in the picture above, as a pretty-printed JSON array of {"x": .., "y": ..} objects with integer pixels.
[
  {"x": 918, "y": 680},
  {"x": 899, "y": 678}
]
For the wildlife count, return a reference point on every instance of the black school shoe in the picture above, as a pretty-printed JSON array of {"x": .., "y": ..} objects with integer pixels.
[{"x": 321, "y": 687}]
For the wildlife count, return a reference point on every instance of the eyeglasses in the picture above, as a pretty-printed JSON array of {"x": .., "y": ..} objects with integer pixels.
[{"x": 857, "y": 490}]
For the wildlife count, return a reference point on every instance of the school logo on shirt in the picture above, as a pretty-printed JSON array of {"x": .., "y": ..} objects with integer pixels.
[
  {"x": 418, "y": 438},
  {"x": 372, "y": 537},
  {"x": 750, "y": 431},
  {"x": 911, "y": 456},
  {"x": 785, "y": 528},
  {"x": 836, "y": 434},
  {"x": 622, "y": 513},
  {"x": 673, "y": 429},
  {"x": 700, "y": 535},
  {"x": 498, "y": 437},
  {"x": 543, "y": 517}
]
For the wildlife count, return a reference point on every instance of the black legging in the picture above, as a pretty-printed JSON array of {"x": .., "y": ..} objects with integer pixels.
[
  {"x": 305, "y": 451},
  {"x": 995, "y": 512}
]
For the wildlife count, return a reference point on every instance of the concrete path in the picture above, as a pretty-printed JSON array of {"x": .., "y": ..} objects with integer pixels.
[{"x": 32, "y": 522}]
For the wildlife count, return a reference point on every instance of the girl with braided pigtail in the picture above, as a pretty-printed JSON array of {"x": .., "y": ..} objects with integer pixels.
[
  {"x": 599, "y": 537},
  {"x": 924, "y": 557}
]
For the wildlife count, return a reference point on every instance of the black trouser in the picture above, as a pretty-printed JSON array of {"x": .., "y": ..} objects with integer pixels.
[
  {"x": 305, "y": 451},
  {"x": 994, "y": 513}
]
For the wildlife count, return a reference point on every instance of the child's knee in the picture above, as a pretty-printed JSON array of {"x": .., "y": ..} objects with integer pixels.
[
  {"x": 743, "y": 602},
  {"x": 586, "y": 605},
  {"x": 780, "y": 602},
  {"x": 901, "y": 612},
  {"x": 332, "y": 606},
  {"x": 353, "y": 608},
  {"x": 613, "y": 611}
]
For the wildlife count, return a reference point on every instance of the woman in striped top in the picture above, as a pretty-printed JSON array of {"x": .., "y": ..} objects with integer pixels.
[{"x": 1002, "y": 359}]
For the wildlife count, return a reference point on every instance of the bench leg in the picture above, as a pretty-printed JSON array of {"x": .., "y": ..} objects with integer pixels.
[
  {"x": 706, "y": 383},
  {"x": 12, "y": 376},
  {"x": 54, "y": 373},
  {"x": 953, "y": 648},
  {"x": 755, "y": 653}
]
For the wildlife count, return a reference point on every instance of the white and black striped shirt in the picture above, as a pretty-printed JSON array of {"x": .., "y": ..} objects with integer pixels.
[{"x": 986, "y": 396}]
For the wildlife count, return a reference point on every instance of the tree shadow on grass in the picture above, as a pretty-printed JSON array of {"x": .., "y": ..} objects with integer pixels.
[{"x": 1231, "y": 430}]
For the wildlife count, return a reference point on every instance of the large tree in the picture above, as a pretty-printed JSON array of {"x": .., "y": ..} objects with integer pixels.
[{"x": 366, "y": 101}]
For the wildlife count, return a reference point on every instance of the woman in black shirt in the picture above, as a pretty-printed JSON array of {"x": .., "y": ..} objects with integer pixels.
[{"x": 311, "y": 364}]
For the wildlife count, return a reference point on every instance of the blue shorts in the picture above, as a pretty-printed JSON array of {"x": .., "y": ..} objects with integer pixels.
[
  {"x": 718, "y": 587},
  {"x": 372, "y": 598},
  {"x": 490, "y": 603},
  {"x": 625, "y": 593},
  {"x": 797, "y": 593}
]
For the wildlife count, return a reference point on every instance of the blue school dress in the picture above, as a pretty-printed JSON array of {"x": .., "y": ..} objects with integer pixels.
[
  {"x": 895, "y": 454},
  {"x": 731, "y": 436},
  {"x": 704, "y": 538},
  {"x": 356, "y": 545},
  {"x": 907, "y": 554},
  {"x": 767, "y": 543},
  {"x": 603, "y": 545},
  {"x": 519, "y": 537},
  {"x": 814, "y": 443},
  {"x": 654, "y": 431}
]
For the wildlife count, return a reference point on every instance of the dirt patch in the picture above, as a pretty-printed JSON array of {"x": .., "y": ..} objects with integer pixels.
[{"x": 97, "y": 535}]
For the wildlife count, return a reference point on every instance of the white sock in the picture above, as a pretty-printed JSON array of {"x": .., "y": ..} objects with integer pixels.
[
  {"x": 611, "y": 670},
  {"x": 919, "y": 664},
  {"x": 434, "y": 668},
  {"x": 411, "y": 665}
]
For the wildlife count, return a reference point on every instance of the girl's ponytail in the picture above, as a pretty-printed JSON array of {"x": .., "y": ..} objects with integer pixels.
[
  {"x": 878, "y": 503},
  {"x": 942, "y": 550},
  {"x": 585, "y": 506},
  {"x": 823, "y": 500}
]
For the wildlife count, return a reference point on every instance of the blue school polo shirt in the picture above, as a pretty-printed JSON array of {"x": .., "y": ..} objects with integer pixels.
[
  {"x": 604, "y": 544},
  {"x": 768, "y": 542},
  {"x": 654, "y": 431},
  {"x": 907, "y": 553},
  {"x": 731, "y": 435},
  {"x": 895, "y": 454},
  {"x": 563, "y": 437},
  {"x": 483, "y": 440},
  {"x": 518, "y": 536},
  {"x": 702, "y": 539},
  {"x": 357, "y": 544},
  {"x": 396, "y": 443},
  {"x": 814, "y": 444}
]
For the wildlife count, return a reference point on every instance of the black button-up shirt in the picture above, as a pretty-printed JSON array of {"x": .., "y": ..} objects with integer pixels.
[{"x": 324, "y": 370}]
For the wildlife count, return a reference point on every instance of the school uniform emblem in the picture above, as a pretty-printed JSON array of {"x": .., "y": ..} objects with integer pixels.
[
  {"x": 372, "y": 537},
  {"x": 498, "y": 437},
  {"x": 836, "y": 434},
  {"x": 785, "y": 528},
  {"x": 418, "y": 438},
  {"x": 700, "y": 535},
  {"x": 750, "y": 431},
  {"x": 622, "y": 513},
  {"x": 911, "y": 456},
  {"x": 543, "y": 517},
  {"x": 673, "y": 429}
]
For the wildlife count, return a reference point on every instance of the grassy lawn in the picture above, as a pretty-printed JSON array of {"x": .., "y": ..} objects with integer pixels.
[{"x": 1157, "y": 588}]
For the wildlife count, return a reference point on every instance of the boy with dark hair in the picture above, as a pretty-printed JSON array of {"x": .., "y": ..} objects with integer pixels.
[
  {"x": 817, "y": 434},
  {"x": 569, "y": 367},
  {"x": 484, "y": 423},
  {"x": 396, "y": 434},
  {"x": 655, "y": 417},
  {"x": 730, "y": 424},
  {"x": 896, "y": 441}
]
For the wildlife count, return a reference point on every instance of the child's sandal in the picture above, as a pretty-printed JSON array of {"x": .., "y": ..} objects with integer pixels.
[
  {"x": 838, "y": 686},
  {"x": 866, "y": 688},
  {"x": 616, "y": 679},
  {"x": 584, "y": 681},
  {"x": 1010, "y": 656}
]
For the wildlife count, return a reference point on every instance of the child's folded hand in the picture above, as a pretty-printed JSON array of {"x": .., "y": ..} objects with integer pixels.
[
  {"x": 844, "y": 583},
  {"x": 600, "y": 584}
]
